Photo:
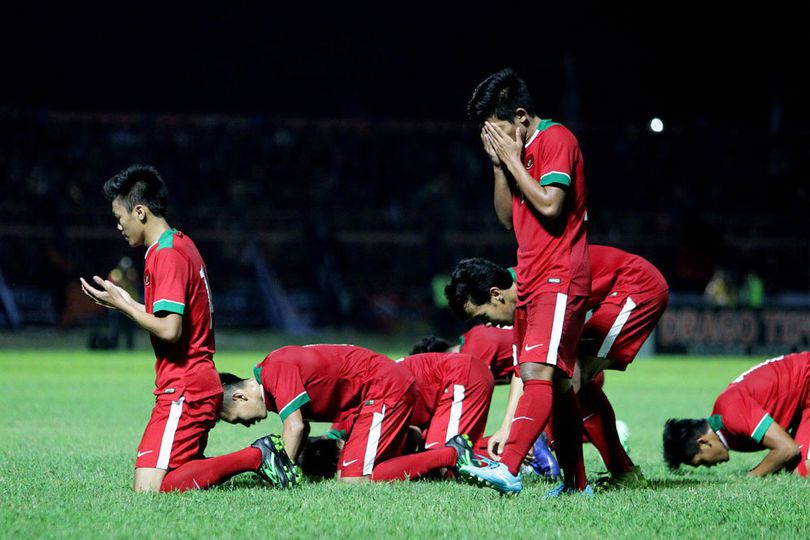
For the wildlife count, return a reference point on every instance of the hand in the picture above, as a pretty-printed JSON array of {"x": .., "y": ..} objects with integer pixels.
[
  {"x": 490, "y": 150},
  {"x": 496, "y": 443},
  {"x": 110, "y": 295},
  {"x": 505, "y": 149}
]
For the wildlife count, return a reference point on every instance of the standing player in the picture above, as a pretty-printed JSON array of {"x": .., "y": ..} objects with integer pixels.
[
  {"x": 368, "y": 393},
  {"x": 759, "y": 410},
  {"x": 540, "y": 192},
  {"x": 628, "y": 297},
  {"x": 177, "y": 313},
  {"x": 455, "y": 391}
]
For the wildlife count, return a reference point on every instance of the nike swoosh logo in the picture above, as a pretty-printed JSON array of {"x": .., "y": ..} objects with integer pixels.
[
  {"x": 527, "y": 348},
  {"x": 589, "y": 416},
  {"x": 430, "y": 445},
  {"x": 347, "y": 463},
  {"x": 143, "y": 453},
  {"x": 515, "y": 419}
]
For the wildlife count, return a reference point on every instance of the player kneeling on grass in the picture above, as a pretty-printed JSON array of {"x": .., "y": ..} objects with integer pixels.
[
  {"x": 367, "y": 392},
  {"x": 177, "y": 313},
  {"x": 759, "y": 410},
  {"x": 628, "y": 296},
  {"x": 454, "y": 393},
  {"x": 493, "y": 343}
]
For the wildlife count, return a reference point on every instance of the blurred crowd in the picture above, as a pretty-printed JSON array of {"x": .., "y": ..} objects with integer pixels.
[{"x": 355, "y": 218}]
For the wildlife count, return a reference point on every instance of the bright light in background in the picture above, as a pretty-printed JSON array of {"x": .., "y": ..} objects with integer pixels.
[{"x": 656, "y": 125}]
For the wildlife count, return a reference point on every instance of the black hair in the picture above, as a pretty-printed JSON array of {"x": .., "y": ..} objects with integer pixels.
[
  {"x": 319, "y": 457},
  {"x": 139, "y": 184},
  {"x": 471, "y": 280},
  {"x": 500, "y": 95},
  {"x": 430, "y": 344},
  {"x": 230, "y": 384},
  {"x": 681, "y": 440}
]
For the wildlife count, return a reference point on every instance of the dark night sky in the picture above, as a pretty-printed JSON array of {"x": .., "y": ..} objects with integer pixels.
[{"x": 397, "y": 60}]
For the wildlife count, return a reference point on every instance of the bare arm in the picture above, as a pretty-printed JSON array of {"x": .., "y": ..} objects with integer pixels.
[
  {"x": 294, "y": 431},
  {"x": 783, "y": 451},
  {"x": 503, "y": 199},
  {"x": 547, "y": 200},
  {"x": 167, "y": 328},
  {"x": 503, "y": 194},
  {"x": 498, "y": 439}
]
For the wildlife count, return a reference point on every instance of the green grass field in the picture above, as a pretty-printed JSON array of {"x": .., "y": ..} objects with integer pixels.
[{"x": 72, "y": 422}]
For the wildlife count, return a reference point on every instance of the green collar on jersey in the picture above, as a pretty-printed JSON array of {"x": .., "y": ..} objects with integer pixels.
[
  {"x": 166, "y": 239},
  {"x": 512, "y": 273},
  {"x": 257, "y": 372},
  {"x": 545, "y": 124},
  {"x": 716, "y": 422}
]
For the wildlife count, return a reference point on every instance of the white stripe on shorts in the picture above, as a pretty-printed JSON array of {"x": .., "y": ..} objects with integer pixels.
[
  {"x": 616, "y": 329},
  {"x": 455, "y": 412},
  {"x": 168, "y": 434},
  {"x": 373, "y": 442},
  {"x": 557, "y": 328}
]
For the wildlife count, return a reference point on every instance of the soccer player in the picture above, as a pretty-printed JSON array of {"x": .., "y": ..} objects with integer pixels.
[
  {"x": 765, "y": 408},
  {"x": 454, "y": 393},
  {"x": 628, "y": 297},
  {"x": 351, "y": 386},
  {"x": 540, "y": 192},
  {"x": 177, "y": 312},
  {"x": 492, "y": 344}
]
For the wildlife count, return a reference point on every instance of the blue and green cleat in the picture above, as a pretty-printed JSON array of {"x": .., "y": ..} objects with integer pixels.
[
  {"x": 562, "y": 489},
  {"x": 494, "y": 475},
  {"x": 277, "y": 469}
]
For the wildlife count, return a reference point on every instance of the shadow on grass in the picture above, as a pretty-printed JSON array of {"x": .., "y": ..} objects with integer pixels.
[{"x": 679, "y": 483}]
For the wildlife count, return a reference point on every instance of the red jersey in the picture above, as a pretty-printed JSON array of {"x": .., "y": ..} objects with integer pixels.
[
  {"x": 175, "y": 281},
  {"x": 552, "y": 254},
  {"x": 493, "y": 345},
  {"x": 328, "y": 382},
  {"x": 773, "y": 391},
  {"x": 616, "y": 274},
  {"x": 434, "y": 373}
]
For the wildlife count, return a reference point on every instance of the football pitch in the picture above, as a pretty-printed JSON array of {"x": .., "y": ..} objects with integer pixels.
[{"x": 72, "y": 421}]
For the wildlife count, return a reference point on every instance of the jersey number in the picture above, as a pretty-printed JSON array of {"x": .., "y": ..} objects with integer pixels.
[{"x": 210, "y": 302}]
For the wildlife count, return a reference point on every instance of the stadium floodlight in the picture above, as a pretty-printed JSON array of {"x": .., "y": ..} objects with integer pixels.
[{"x": 656, "y": 125}]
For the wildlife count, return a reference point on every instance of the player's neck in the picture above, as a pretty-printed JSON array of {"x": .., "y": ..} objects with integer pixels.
[
  {"x": 534, "y": 124},
  {"x": 154, "y": 229}
]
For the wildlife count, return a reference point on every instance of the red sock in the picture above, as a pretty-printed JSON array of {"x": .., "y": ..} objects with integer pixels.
[
  {"x": 204, "y": 473},
  {"x": 414, "y": 465},
  {"x": 600, "y": 425},
  {"x": 531, "y": 416},
  {"x": 481, "y": 446},
  {"x": 568, "y": 432}
]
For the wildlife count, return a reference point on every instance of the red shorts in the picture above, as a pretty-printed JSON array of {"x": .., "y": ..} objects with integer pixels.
[
  {"x": 547, "y": 330},
  {"x": 378, "y": 433},
  {"x": 462, "y": 408},
  {"x": 177, "y": 431},
  {"x": 620, "y": 326}
]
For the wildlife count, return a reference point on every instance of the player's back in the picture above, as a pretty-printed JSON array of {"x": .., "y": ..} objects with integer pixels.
[
  {"x": 176, "y": 281},
  {"x": 775, "y": 389},
  {"x": 493, "y": 345},
  {"x": 433, "y": 372},
  {"x": 339, "y": 376},
  {"x": 779, "y": 385},
  {"x": 552, "y": 253},
  {"x": 619, "y": 273}
]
